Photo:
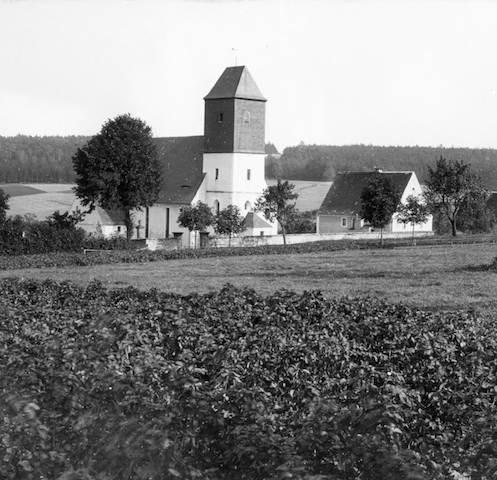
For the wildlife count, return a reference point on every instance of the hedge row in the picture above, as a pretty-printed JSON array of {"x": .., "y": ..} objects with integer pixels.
[
  {"x": 19, "y": 236},
  {"x": 141, "y": 256},
  {"x": 123, "y": 384}
]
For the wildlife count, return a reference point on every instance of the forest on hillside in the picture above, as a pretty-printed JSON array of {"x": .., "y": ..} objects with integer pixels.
[
  {"x": 323, "y": 162},
  {"x": 27, "y": 159}
]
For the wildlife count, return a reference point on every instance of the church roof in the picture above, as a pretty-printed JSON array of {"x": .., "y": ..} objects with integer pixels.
[
  {"x": 235, "y": 82},
  {"x": 181, "y": 158},
  {"x": 254, "y": 221},
  {"x": 344, "y": 195}
]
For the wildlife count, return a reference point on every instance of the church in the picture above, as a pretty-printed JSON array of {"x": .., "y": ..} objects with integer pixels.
[{"x": 223, "y": 167}]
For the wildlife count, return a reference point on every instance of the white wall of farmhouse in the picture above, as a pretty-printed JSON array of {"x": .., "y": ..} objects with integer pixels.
[{"x": 413, "y": 188}]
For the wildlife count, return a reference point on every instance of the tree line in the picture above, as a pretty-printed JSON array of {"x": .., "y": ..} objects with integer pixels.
[
  {"x": 26, "y": 159},
  {"x": 323, "y": 162}
]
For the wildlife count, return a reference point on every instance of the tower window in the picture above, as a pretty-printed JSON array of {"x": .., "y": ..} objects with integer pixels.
[
  {"x": 220, "y": 117},
  {"x": 248, "y": 174},
  {"x": 217, "y": 173},
  {"x": 246, "y": 117},
  {"x": 217, "y": 207}
]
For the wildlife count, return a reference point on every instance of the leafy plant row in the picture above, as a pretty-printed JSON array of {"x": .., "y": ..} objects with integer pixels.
[
  {"x": 61, "y": 259},
  {"x": 123, "y": 384}
]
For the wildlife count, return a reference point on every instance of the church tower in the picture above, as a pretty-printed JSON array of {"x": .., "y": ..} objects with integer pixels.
[{"x": 234, "y": 144}]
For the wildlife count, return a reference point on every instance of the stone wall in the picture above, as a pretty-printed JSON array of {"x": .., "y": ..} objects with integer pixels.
[{"x": 307, "y": 237}]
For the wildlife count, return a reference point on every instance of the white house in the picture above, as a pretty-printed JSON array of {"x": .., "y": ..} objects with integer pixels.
[
  {"x": 339, "y": 212},
  {"x": 223, "y": 167}
]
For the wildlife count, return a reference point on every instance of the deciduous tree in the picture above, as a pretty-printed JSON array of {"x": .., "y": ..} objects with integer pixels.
[
  {"x": 380, "y": 199},
  {"x": 229, "y": 222},
  {"x": 414, "y": 211},
  {"x": 474, "y": 216},
  {"x": 119, "y": 168},
  {"x": 196, "y": 218},
  {"x": 302, "y": 222},
  {"x": 450, "y": 186},
  {"x": 275, "y": 204}
]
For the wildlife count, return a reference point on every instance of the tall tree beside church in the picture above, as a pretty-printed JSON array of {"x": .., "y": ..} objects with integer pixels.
[
  {"x": 276, "y": 204},
  {"x": 119, "y": 168}
]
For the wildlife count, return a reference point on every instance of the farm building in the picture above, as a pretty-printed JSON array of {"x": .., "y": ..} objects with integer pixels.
[
  {"x": 223, "y": 167},
  {"x": 339, "y": 212}
]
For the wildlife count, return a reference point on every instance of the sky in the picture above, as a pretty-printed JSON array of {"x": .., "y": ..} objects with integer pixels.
[{"x": 334, "y": 72}]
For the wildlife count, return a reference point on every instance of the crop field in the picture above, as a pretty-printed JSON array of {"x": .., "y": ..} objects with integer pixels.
[
  {"x": 372, "y": 364},
  {"x": 40, "y": 200},
  {"x": 311, "y": 194}
]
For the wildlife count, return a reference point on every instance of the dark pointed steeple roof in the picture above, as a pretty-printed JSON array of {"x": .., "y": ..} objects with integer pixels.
[{"x": 235, "y": 82}]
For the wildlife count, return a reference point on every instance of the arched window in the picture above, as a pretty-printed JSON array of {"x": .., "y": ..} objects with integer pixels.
[
  {"x": 216, "y": 206},
  {"x": 246, "y": 117},
  {"x": 248, "y": 205}
]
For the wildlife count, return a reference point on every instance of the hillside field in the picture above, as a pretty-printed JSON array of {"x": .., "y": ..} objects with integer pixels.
[
  {"x": 42, "y": 199},
  {"x": 38, "y": 199}
]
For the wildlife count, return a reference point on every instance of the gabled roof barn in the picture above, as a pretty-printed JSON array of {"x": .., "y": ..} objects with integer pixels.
[{"x": 344, "y": 195}]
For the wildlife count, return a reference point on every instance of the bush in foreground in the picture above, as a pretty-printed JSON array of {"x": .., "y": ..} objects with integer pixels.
[{"x": 230, "y": 385}]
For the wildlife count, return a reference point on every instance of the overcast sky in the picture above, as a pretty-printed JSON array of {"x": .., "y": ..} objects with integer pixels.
[{"x": 398, "y": 72}]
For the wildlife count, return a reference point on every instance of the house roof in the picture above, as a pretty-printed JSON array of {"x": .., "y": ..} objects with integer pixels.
[
  {"x": 235, "y": 82},
  {"x": 181, "y": 158},
  {"x": 254, "y": 221},
  {"x": 110, "y": 217},
  {"x": 344, "y": 195},
  {"x": 98, "y": 214}
]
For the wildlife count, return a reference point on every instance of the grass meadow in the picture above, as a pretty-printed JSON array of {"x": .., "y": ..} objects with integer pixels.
[{"x": 449, "y": 277}]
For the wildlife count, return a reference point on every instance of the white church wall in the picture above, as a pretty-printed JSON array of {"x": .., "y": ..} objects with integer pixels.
[{"x": 234, "y": 179}]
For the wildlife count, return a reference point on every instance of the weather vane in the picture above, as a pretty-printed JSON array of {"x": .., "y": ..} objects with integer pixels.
[{"x": 236, "y": 54}]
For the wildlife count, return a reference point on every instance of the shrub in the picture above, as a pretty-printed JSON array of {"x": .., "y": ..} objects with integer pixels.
[
  {"x": 21, "y": 236},
  {"x": 25, "y": 236},
  {"x": 116, "y": 242}
]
